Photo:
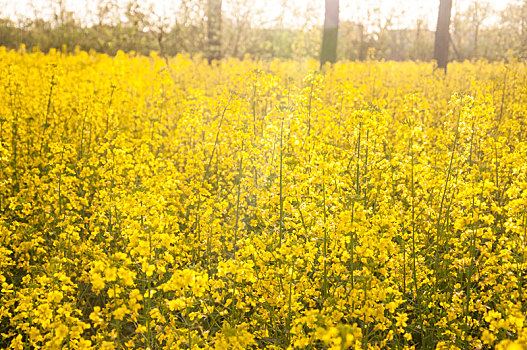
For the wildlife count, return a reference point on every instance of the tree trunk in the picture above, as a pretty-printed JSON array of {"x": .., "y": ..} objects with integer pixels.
[
  {"x": 214, "y": 30},
  {"x": 442, "y": 34},
  {"x": 328, "y": 52}
]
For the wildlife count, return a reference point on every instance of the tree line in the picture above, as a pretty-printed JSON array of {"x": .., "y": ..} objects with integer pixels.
[{"x": 204, "y": 27}]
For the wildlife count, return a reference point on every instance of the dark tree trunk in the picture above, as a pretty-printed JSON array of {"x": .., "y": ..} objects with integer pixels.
[
  {"x": 214, "y": 30},
  {"x": 328, "y": 53},
  {"x": 442, "y": 37}
]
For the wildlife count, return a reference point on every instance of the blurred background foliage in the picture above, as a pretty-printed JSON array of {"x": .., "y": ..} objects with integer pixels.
[{"x": 478, "y": 31}]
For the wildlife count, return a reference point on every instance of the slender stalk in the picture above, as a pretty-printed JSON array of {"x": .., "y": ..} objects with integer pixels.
[
  {"x": 502, "y": 101},
  {"x": 352, "y": 246},
  {"x": 253, "y": 105},
  {"x": 240, "y": 175},
  {"x": 281, "y": 183},
  {"x": 48, "y": 110},
  {"x": 449, "y": 172},
  {"x": 309, "y": 107},
  {"x": 14, "y": 139},
  {"x": 222, "y": 117},
  {"x": 472, "y": 256},
  {"x": 522, "y": 263},
  {"x": 110, "y": 106},
  {"x": 414, "y": 251},
  {"x": 404, "y": 264},
  {"x": 325, "y": 286},
  {"x": 366, "y": 155},
  {"x": 358, "y": 162},
  {"x": 301, "y": 214},
  {"x": 290, "y": 301},
  {"x": 209, "y": 242}
]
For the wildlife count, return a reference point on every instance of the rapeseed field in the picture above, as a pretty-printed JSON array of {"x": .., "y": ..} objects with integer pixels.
[{"x": 152, "y": 203}]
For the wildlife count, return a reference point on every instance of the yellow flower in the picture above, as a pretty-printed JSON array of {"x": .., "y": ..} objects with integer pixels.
[
  {"x": 97, "y": 282},
  {"x": 95, "y": 316},
  {"x": 487, "y": 337}
]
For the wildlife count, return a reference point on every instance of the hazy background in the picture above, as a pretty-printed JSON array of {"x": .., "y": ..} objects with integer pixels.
[
  {"x": 381, "y": 29},
  {"x": 402, "y": 13}
]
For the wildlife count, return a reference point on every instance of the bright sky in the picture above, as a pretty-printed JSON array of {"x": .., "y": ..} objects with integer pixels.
[{"x": 405, "y": 13}]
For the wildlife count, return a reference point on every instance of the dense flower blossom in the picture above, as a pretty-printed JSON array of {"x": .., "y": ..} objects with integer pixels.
[{"x": 167, "y": 204}]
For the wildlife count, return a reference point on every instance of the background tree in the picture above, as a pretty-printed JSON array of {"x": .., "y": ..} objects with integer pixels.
[
  {"x": 423, "y": 43},
  {"x": 189, "y": 33},
  {"x": 328, "y": 53},
  {"x": 511, "y": 34},
  {"x": 214, "y": 29},
  {"x": 468, "y": 30},
  {"x": 442, "y": 37},
  {"x": 237, "y": 27},
  {"x": 244, "y": 27},
  {"x": 480, "y": 11}
]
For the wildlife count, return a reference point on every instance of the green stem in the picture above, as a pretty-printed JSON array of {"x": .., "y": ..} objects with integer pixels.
[
  {"x": 449, "y": 172},
  {"x": 240, "y": 175},
  {"x": 325, "y": 286},
  {"x": 281, "y": 183}
]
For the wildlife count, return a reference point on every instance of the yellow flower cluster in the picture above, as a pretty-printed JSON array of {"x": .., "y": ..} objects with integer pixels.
[{"x": 168, "y": 204}]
